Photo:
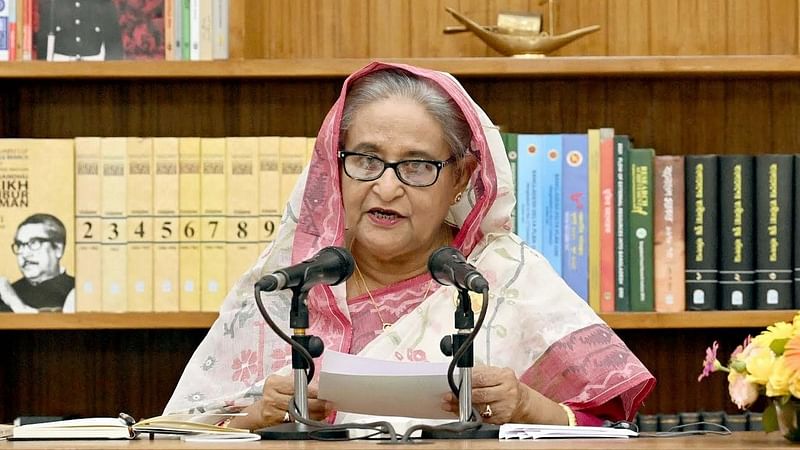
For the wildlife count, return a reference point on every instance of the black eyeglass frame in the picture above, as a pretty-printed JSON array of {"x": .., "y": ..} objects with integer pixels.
[
  {"x": 17, "y": 246},
  {"x": 439, "y": 164}
]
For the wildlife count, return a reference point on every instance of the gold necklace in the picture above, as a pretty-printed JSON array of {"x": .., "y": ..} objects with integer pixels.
[{"x": 386, "y": 325}]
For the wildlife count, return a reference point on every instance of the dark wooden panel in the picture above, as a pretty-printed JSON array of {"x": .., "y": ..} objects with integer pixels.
[
  {"x": 92, "y": 373},
  {"x": 675, "y": 358}
]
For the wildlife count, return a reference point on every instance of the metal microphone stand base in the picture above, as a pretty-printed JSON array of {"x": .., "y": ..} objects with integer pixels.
[
  {"x": 484, "y": 431},
  {"x": 299, "y": 432}
]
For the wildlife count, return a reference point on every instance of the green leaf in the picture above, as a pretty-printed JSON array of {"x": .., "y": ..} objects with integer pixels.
[
  {"x": 778, "y": 345},
  {"x": 770, "y": 418}
]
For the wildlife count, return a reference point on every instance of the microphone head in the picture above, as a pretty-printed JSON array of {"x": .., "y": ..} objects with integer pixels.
[
  {"x": 343, "y": 262},
  {"x": 440, "y": 263}
]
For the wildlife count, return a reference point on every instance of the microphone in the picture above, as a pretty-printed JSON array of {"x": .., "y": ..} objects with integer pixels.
[
  {"x": 330, "y": 266},
  {"x": 448, "y": 267}
]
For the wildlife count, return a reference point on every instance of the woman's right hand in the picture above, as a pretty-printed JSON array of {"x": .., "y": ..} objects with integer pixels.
[{"x": 272, "y": 407}]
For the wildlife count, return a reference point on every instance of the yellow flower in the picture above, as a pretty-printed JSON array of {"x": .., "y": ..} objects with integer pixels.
[
  {"x": 780, "y": 330},
  {"x": 794, "y": 385},
  {"x": 759, "y": 363},
  {"x": 796, "y": 322},
  {"x": 779, "y": 379}
]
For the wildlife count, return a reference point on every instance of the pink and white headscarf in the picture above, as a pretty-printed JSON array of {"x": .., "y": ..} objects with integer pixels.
[{"x": 535, "y": 325}]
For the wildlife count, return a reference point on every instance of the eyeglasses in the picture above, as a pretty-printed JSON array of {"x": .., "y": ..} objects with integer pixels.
[
  {"x": 413, "y": 172},
  {"x": 32, "y": 245}
]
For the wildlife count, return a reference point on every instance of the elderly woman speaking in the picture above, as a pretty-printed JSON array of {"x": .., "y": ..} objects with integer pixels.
[{"x": 405, "y": 163}]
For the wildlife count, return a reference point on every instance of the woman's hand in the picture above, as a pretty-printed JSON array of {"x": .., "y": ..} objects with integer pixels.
[
  {"x": 271, "y": 409},
  {"x": 508, "y": 400}
]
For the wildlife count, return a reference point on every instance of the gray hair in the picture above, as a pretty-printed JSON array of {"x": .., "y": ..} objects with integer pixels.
[{"x": 387, "y": 83}]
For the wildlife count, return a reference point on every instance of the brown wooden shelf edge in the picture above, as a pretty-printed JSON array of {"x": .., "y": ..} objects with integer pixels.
[
  {"x": 696, "y": 319},
  {"x": 107, "y": 321},
  {"x": 203, "y": 320},
  {"x": 544, "y": 67}
]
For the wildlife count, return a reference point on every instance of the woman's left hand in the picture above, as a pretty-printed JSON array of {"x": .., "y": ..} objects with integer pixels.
[{"x": 500, "y": 389}]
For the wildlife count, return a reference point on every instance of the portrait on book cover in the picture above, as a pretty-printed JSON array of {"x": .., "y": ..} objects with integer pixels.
[
  {"x": 37, "y": 225},
  {"x": 96, "y": 30},
  {"x": 39, "y": 245}
]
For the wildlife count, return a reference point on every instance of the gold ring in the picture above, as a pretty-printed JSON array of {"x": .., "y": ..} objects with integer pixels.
[{"x": 487, "y": 412}]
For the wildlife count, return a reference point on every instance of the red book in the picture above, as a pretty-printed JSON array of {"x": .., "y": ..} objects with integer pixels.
[
  {"x": 668, "y": 231},
  {"x": 607, "y": 236}
]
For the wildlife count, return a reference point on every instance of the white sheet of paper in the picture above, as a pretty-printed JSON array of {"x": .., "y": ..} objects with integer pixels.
[
  {"x": 384, "y": 388},
  {"x": 534, "y": 431}
]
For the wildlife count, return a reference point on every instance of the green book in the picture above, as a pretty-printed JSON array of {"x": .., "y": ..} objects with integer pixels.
[
  {"x": 622, "y": 145},
  {"x": 640, "y": 229},
  {"x": 186, "y": 30}
]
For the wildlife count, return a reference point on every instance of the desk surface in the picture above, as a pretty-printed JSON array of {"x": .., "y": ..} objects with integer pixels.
[{"x": 735, "y": 441}]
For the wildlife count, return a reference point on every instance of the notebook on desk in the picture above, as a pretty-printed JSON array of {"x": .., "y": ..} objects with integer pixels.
[
  {"x": 124, "y": 427},
  {"x": 527, "y": 431}
]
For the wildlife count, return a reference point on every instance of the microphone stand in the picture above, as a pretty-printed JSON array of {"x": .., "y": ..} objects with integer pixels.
[
  {"x": 298, "y": 321},
  {"x": 450, "y": 345}
]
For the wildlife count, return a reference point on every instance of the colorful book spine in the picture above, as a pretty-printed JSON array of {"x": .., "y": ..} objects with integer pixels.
[
  {"x": 608, "y": 276},
  {"x": 552, "y": 218},
  {"x": 736, "y": 236},
  {"x": 640, "y": 236},
  {"x": 530, "y": 160},
  {"x": 575, "y": 213},
  {"x": 166, "y": 255},
  {"x": 242, "y": 206},
  {"x": 213, "y": 273},
  {"x": 169, "y": 30},
  {"x": 669, "y": 253},
  {"x": 114, "y": 224},
  {"x": 189, "y": 227},
  {"x": 12, "y": 30},
  {"x": 702, "y": 232},
  {"x": 622, "y": 145},
  {"x": 5, "y": 32},
  {"x": 270, "y": 207},
  {"x": 140, "y": 224},
  {"x": 177, "y": 29},
  {"x": 88, "y": 225},
  {"x": 27, "y": 31},
  {"x": 775, "y": 181},
  {"x": 594, "y": 223}
]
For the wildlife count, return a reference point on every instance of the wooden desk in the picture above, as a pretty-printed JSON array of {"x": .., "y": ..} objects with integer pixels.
[{"x": 736, "y": 441}]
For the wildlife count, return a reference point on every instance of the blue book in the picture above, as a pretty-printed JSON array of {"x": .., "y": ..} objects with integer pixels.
[
  {"x": 575, "y": 205},
  {"x": 539, "y": 194}
]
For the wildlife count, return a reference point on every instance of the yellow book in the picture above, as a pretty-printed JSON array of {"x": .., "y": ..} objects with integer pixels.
[
  {"x": 166, "y": 257},
  {"x": 37, "y": 230},
  {"x": 206, "y": 30},
  {"x": 189, "y": 224},
  {"x": 594, "y": 219},
  {"x": 269, "y": 200},
  {"x": 310, "y": 143},
  {"x": 114, "y": 224},
  {"x": 88, "y": 248},
  {"x": 213, "y": 275},
  {"x": 140, "y": 224},
  {"x": 292, "y": 160},
  {"x": 242, "y": 206}
]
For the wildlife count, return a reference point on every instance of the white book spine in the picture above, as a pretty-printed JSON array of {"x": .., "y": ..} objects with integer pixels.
[
  {"x": 220, "y": 32},
  {"x": 194, "y": 31}
]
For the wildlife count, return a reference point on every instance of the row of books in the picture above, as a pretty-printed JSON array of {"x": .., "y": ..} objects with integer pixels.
[
  {"x": 700, "y": 420},
  {"x": 602, "y": 212},
  {"x": 159, "y": 224},
  {"x": 94, "y": 30}
]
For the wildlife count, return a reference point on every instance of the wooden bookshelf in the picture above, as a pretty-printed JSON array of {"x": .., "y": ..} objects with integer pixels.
[
  {"x": 593, "y": 66},
  {"x": 203, "y": 320}
]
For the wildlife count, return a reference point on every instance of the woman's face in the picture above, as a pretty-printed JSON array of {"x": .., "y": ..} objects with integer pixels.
[{"x": 386, "y": 217}]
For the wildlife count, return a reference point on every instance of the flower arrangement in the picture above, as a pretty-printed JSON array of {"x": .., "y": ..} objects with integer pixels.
[{"x": 768, "y": 364}]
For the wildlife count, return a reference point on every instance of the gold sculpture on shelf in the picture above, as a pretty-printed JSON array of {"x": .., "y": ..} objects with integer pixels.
[{"x": 519, "y": 34}]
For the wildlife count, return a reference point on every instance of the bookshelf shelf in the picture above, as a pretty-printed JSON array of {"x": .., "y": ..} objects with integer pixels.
[
  {"x": 601, "y": 66},
  {"x": 107, "y": 321},
  {"x": 203, "y": 320}
]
